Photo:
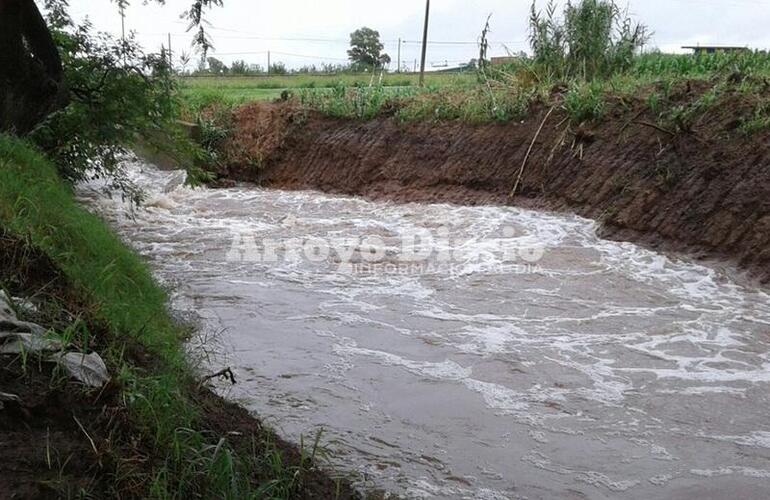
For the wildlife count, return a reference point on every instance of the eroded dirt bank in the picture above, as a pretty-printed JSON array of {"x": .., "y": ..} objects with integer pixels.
[{"x": 705, "y": 191}]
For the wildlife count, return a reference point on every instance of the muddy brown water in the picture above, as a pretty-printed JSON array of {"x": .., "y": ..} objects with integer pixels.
[{"x": 516, "y": 355}]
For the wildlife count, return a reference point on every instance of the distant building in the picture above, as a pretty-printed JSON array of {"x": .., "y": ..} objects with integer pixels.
[
  {"x": 707, "y": 49},
  {"x": 501, "y": 61}
]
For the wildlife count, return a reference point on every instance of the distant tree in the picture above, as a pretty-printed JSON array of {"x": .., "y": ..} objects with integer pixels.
[
  {"x": 278, "y": 68},
  {"x": 366, "y": 48},
  {"x": 184, "y": 61},
  {"x": 239, "y": 68},
  {"x": 216, "y": 66},
  {"x": 307, "y": 69},
  {"x": 335, "y": 68}
]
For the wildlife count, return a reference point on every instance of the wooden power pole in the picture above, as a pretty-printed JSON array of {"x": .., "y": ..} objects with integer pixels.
[
  {"x": 424, "y": 43},
  {"x": 170, "y": 55},
  {"x": 398, "y": 70}
]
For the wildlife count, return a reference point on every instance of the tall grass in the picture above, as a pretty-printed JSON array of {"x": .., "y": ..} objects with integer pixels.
[
  {"x": 593, "y": 39},
  {"x": 362, "y": 103}
]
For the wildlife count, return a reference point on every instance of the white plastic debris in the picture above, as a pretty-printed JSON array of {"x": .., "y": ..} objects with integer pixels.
[
  {"x": 28, "y": 343},
  {"x": 25, "y": 305},
  {"x": 8, "y": 398},
  {"x": 17, "y": 337},
  {"x": 6, "y": 311},
  {"x": 88, "y": 369}
]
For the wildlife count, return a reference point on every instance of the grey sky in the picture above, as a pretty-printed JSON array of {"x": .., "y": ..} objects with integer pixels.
[{"x": 246, "y": 29}]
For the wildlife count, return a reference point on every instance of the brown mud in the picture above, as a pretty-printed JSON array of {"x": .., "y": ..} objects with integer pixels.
[
  {"x": 704, "y": 190},
  {"x": 62, "y": 441}
]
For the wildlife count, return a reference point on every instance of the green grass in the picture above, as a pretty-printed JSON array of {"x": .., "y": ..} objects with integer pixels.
[
  {"x": 238, "y": 90},
  {"x": 235, "y": 96},
  {"x": 324, "y": 81},
  {"x": 584, "y": 102},
  {"x": 510, "y": 91},
  {"x": 36, "y": 206}
]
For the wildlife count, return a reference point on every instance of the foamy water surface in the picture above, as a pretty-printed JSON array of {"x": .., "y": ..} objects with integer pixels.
[{"x": 600, "y": 370}]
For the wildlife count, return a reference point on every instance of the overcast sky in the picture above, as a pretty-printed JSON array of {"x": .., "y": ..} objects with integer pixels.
[{"x": 247, "y": 29}]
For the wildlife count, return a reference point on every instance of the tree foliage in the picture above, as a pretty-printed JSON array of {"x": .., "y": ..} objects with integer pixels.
[
  {"x": 366, "y": 49},
  {"x": 195, "y": 16},
  {"x": 216, "y": 66},
  {"x": 119, "y": 97}
]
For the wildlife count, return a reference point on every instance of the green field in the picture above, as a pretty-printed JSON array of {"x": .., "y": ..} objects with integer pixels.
[{"x": 251, "y": 88}]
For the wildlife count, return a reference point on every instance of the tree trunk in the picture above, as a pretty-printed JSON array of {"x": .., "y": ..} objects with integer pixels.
[{"x": 30, "y": 68}]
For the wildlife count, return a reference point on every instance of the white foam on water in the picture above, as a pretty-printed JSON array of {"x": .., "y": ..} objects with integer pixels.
[
  {"x": 732, "y": 470},
  {"x": 599, "y": 344},
  {"x": 593, "y": 478},
  {"x": 756, "y": 439}
]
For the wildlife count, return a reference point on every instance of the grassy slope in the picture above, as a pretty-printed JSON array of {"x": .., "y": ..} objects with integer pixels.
[
  {"x": 35, "y": 205},
  {"x": 160, "y": 399}
]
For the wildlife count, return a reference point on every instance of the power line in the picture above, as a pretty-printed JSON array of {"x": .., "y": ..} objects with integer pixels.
[
  {"x": 331, "y": 40},
  {"x": 255, "y": 36},
  {"x": 336, "y": 41},
  {"x": 436, "y": 42},
  {"x": 287, "y": 54}
]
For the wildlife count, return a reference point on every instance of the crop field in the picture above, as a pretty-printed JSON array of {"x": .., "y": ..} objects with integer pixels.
[{"x": 251, "y": 88}]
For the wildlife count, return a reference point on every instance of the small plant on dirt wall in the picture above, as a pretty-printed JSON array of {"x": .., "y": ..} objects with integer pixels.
[{"x": 584, "y": 102}]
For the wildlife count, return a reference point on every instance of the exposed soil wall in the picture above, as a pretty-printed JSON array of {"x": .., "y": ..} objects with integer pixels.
[{"x": 706, "y": 191}]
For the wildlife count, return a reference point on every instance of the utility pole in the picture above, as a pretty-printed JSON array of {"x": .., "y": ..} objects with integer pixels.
[
  {"x": 268, "y": 63},
  {"x": 170, "y": 57},
  {"x": 399, "y": 56},
  {"x": 123, "y": 32},
  {"x": 424, "y": 43},
  {"x": 122, "y": 24}
]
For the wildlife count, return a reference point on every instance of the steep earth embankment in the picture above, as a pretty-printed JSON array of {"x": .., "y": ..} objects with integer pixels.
[{"x": 705, "y": 191}]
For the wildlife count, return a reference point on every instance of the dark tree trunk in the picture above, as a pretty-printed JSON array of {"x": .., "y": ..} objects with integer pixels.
[{"x": 30, "y": 67}]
